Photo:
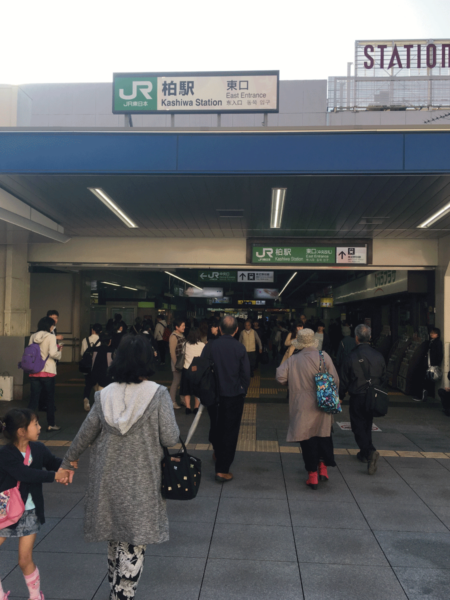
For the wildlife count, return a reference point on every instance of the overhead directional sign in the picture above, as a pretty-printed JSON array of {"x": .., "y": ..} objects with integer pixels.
[
  {"x": 351, "y": 256},
  {"x": 294, "y": 254},
  {"x": 210, "y": 92},
  {"x": 221, "y": 276},
  {"x": 255, "y": 276}
]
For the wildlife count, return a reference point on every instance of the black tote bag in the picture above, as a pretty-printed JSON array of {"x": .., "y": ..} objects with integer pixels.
[{"x": 181, "y": 475}]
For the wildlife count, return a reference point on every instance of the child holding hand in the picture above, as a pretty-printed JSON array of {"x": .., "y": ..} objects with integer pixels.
[{"x": 21, "y": 428}]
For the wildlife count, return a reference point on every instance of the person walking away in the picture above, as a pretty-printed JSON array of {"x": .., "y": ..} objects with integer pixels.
[
  {"x": 290, "y": 339},
  {"x": 354, "y": 382},
  {"x": 26, "y": 460},
  {"x": 177, "y": 343},
  {"x": 232, "y": 370},
  {"x": 99, "y": 377},
  {"x": 203, "y": 332},
  {"x": 125, "y": 430},
  {"x": 160, "y": 327},
  {"x": 334, "y": 331},
  {"x": 308, "y": 424},
  {"x": 251, "y": 340},
  {"x": 90, "y": 342},
  {"x": 345, "y": 347},
  {"x": 433, "y": 357},
  {"x": 213, "y": 332},
  {"x": 194, "y": 347},
  {"x": 43, "y": 383},
  {"x": 323, "y": 339},
  {"x": 136, "y": 329},
  {"x": 147, "y": 332}
]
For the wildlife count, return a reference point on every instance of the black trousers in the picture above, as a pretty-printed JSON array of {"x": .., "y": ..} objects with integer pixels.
[
  {"x": 445, "y": 400},
  {"x": 317, "y": 449},
  {"x": 429, "y": 386},
  {"x": 162, "y": 350},
  {"x": 88, "y": 385},
  {"x": 361, "y": 420},
  {"x": 252, "y": 357},
  {"x": 46, "y": 386},
  {"x": 224, "y": 432}
]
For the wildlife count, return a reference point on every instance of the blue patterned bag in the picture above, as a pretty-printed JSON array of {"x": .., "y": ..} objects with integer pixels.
[{"x": 326, "y": 390}]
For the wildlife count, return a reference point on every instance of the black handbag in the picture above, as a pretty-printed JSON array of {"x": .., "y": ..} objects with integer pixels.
[
  {"x": 181, "y": 475},
  {"x": 377, "y": 400}
]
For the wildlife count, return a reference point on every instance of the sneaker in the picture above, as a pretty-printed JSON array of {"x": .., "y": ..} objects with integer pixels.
[
  {"x": 372, "y": 464},
  {"x": 176, "y": 406},
  {"x": 360, "y": 457},
  {"x": 87, "y": 406},
  {"x": 53, "y": 428}
]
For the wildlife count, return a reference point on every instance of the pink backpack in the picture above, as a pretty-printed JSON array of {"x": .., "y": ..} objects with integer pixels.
[{"x": 11, "y": 503}]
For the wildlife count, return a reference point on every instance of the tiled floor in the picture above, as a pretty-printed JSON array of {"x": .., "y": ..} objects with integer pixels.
[{"x": 266, "y": 535}]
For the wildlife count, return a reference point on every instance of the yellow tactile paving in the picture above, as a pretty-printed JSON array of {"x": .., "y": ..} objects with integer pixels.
[
  {"x": 341, "y": 451},
  {"x": 246, "y": 446},
  {"x": 202, "y": 446},
  {"x": 409, "y": 454},
  {"x": 266, "y": 446},
  {"x": 290, "y": 449},
  {"x": 434, "y": 455},
  {"x": 352, "y": 451},
  {"x": 387, "y": 453}
]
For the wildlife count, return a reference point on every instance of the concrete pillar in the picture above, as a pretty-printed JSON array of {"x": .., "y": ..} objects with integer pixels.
[
  {"x": 443, "y": 303},
  {"x": 14, "y": 310}
]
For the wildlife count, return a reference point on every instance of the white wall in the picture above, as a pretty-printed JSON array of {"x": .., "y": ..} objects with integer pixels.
[{"x": 405, "y": 253}]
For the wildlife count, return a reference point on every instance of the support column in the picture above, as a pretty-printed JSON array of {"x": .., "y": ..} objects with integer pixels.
[
  {"x": 443, "y": 303},
  {"x": 14, "y": 311}
]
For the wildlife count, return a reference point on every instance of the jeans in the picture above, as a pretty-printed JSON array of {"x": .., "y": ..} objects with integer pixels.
[
  {"x": 46, "y": 385},
  {"x": 361, "y": 420},
  {"x": 224, "y": 432}
]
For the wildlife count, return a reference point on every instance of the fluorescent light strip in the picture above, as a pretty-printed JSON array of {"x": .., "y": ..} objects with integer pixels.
[
  {"x": 107, "y": 201},
  {"x": 276, "y": 213},
  {"x": 279, "y": 295},
  {"x": 184, "y": 280},
  {"x": 109, "y": 283},
  {"x": 128, "y": 288},
  {"x": 441, "y": 213}
]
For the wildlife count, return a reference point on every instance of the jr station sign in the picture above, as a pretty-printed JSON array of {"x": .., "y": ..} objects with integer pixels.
[{"x": 196, "y": 92}]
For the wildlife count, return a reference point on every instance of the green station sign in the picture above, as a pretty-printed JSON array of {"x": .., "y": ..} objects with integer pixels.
[
  {"x": 212, "y": 276},
  {"x": 294, "y": 255}
]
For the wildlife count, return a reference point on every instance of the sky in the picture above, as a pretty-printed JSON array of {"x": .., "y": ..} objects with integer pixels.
[{"x": 88, "y": 41}]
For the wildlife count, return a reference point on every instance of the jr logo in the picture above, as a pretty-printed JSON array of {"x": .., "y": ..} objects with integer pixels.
[
  {"x": 266, "y": 252},
  {"x": 146, "y": 88}
]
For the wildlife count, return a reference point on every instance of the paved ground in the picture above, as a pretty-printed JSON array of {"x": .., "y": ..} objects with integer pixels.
[{"x": 266, "y": 535}]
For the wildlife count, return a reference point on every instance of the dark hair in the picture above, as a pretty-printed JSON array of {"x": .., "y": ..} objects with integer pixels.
[
  {"x": 293, "y": 329},
  {"x": 15, "y": 419},
  {"x": 320, "y": 324},
  {"x": 146, "y": 325},
  {"x": 228, "y": 325},
  {"x": 97, "y": 328},
  {"x": 194, "y": 336},
  {"x": 203, "y": 328},
  {"x": 160, "y": 318},
  {"x": 117, "y": 317},
  {"x": 105, "y": 338},
  {"x": 133, "y": 359},
  {"x": 436, "y": 330},
  {"x": 179, "y": 322},
  {"x": 45, "y": 324},
  {"x": 52, "y": 312}
]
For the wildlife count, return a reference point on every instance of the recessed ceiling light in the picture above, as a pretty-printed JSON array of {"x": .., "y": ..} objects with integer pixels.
[
  {"x": 276, "y": 213},
  {"x": 128, "y": 288},
  {"x": 438, "y": 215},
  {"x": 109, "y": 283},
  {"x": 109, "y": 202},
  {"x": 279, "y": 295}
]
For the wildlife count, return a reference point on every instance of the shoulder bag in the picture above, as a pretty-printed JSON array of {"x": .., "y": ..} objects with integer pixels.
[
  {"x": 11, "y": 503},
  {"x": 326, "y": 389},
  {"x": 377, "y": 400},
  {"x": 181, "y": 475},
  {"x": 433, "y": 373},
  {"x": 180, "y": 352}
]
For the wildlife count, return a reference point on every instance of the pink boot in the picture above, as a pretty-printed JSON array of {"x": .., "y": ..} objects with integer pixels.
[
  {"x": 323, "y": 473},
  {"x": 313, "y": 480}
]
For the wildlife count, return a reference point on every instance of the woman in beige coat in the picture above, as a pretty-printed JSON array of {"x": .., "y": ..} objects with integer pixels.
[{"x": 307, "y": 423}]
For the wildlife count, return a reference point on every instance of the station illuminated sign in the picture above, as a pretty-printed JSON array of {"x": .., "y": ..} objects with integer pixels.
[
  {"x": 329, "y": 255},
  {"x": 196, "y": 92}
]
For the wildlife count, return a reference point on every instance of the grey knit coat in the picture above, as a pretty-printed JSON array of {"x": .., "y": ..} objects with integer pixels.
[{"x": 123, "y": 501}]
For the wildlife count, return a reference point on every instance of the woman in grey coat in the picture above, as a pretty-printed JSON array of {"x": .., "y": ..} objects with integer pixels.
[{"x": 126, "y": 428}]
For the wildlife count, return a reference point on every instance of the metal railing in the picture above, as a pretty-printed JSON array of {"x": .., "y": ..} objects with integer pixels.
[{"x": 388, "y": 93}]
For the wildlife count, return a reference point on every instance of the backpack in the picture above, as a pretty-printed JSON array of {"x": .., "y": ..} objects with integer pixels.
[
  {"x": 11, "y": 503},
  {"x": 166, "y": 335},
  {"x": 326, "y": 390},
  {"x": 32, "y": 361},
  {"x": 202, "y": 380},
  {"x": 85, "y": 364}
]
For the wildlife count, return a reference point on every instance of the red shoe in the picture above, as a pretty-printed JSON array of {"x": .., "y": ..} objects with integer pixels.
[
  {"x": 323, "y": 473},
  {"x": 313, "y": 480}
]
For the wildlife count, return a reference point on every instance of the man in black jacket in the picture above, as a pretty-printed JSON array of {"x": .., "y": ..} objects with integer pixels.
[
  {"x": 353, "y": 381},
  {"x": 232, "y": 370}
]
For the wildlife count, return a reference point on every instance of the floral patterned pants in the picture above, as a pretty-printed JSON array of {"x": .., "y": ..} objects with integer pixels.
[{"x": 125, "y": 564}]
